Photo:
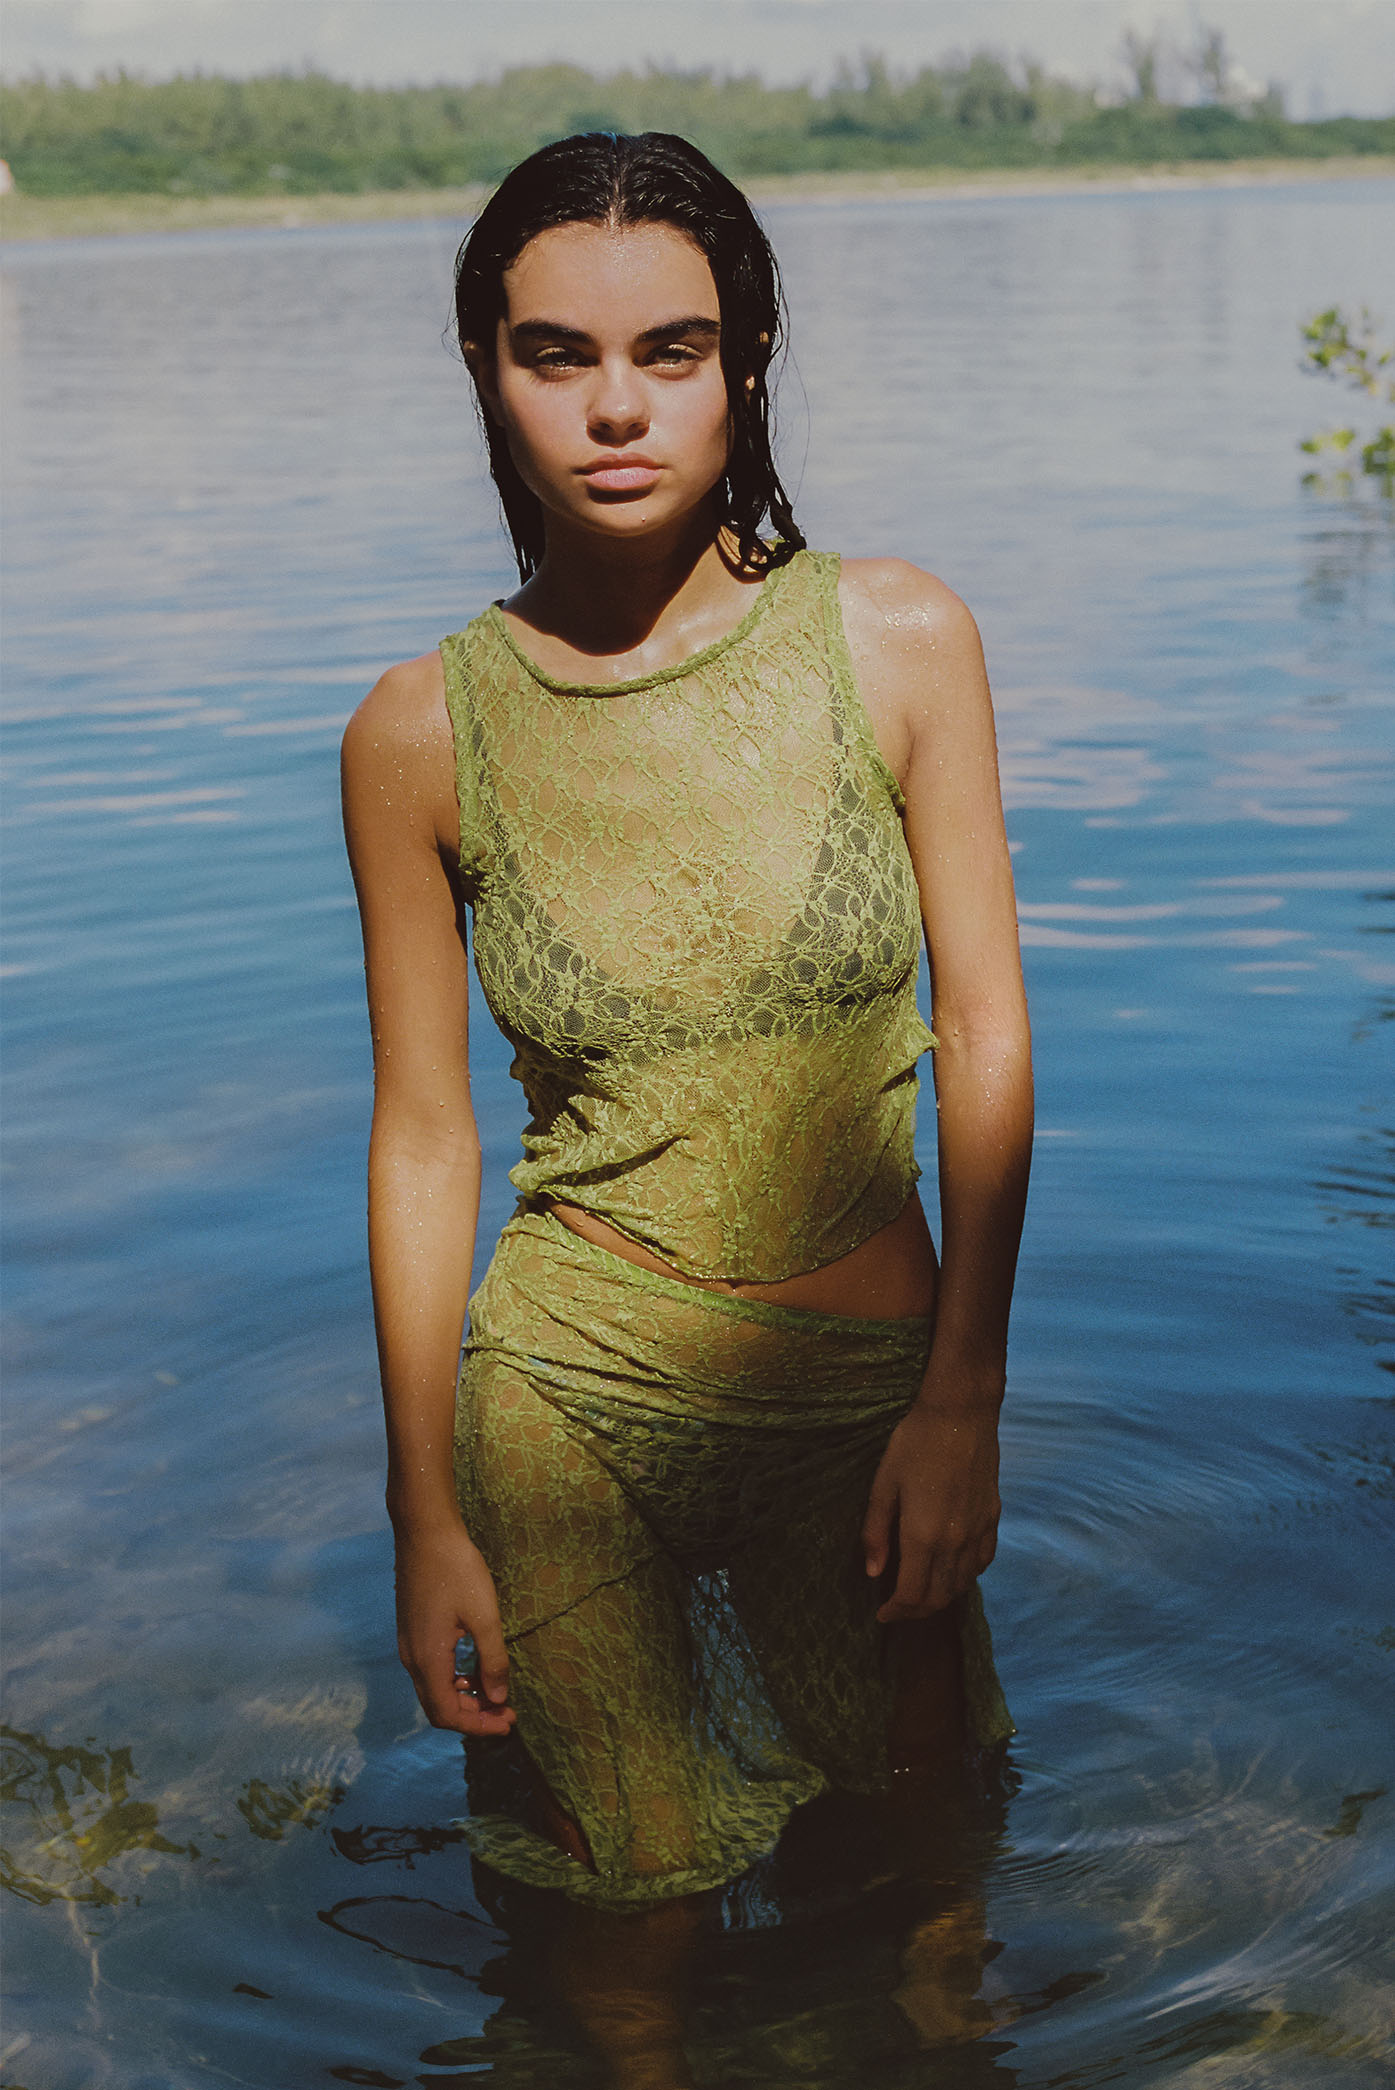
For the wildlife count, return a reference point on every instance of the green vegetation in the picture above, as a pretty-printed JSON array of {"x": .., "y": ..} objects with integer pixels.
[
  {"x": 1348, "y": 351},
  {"x": 270, "y": 1810},
  {"x": 68, "y": 1814},
  {"x": 299, "y": 134}
]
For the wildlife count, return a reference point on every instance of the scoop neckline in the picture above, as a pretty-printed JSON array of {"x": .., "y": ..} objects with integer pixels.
[{"x": 494, "y": 615}]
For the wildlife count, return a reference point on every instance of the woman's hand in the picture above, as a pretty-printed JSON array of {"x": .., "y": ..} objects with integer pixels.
[
  {"x": 936, "y": 1494},
  {"x": 444, "y": 1591}
]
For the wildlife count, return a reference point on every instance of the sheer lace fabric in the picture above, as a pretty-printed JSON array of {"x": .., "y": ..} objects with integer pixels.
[
  {"x": 695, "y": 919},
  {"x": 669, "y": 1484}
]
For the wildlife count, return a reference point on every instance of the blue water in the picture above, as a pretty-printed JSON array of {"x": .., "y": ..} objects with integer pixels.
[{"x": 243, "y": 476}]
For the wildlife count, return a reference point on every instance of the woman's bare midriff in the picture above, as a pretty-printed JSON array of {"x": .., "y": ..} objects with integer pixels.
[{"x": 889, "y": 1277}]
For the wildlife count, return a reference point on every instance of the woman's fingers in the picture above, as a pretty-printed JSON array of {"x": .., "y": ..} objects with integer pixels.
[
  {"x": 433, "y": 1680},
  {"x": 461, "y": 1674},
  {"x": 478, "y": 1719},
  {"x": 493, "y": 1664},
  {"x": 455, "y": 1702},
  {"x": 876, "y": 1525},
  {"x": 952, "y": 1576},
  {"x": 475, "y": 1713},
  {"x": 930, "y": 1577},
  {"x": 933, "y": 1507},
  {"x": 907, "y": 1600}
]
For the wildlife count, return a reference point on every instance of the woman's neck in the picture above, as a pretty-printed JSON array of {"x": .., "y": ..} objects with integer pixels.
[{"x": 622, "y": 602}]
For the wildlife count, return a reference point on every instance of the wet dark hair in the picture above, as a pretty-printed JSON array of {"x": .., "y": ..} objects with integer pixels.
[{"x": 599, "y": 178}]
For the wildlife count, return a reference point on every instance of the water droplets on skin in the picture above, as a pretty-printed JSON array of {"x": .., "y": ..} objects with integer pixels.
[{"x": 234, "y": 1847}]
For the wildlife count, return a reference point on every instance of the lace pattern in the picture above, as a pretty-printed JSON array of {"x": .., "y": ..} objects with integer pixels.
[
  {"x": 669, "y": 1484},
  {"x": 696, "y": 921}
]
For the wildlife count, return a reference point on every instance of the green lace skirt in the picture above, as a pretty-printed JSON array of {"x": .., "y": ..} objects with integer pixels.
[{"x": 668, "y": 1485}]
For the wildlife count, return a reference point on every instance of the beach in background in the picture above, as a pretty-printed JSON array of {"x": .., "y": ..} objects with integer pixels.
[{"x": 79, "y": 217}]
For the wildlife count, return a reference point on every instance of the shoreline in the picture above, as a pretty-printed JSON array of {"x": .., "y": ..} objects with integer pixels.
[{"x": 26, "y": 218}]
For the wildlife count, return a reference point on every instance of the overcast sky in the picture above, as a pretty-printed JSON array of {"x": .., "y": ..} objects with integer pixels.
[{"x": 1330, "y": 56}]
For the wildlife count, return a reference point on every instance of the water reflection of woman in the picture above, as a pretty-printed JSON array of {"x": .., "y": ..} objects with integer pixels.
[{"x": 710, "y": 1496}]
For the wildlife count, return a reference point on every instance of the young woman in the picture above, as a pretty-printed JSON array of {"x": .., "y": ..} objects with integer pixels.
[{"x": 713, "y": 1490}]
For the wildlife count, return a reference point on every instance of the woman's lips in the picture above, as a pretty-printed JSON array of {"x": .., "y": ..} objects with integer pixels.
[{"x": 627, "y": 475}]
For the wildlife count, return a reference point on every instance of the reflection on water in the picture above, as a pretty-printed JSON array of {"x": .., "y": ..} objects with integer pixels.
[
  {"x": 232, "y": 1847},
  {"x": 1350, "y": 559}
]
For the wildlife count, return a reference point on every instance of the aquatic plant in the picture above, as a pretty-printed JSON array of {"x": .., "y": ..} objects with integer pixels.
[
  {"x": 1349, "y": 351},
  {"x": 68, "y": 1816},
  {"x": 270, "y": 1810}
]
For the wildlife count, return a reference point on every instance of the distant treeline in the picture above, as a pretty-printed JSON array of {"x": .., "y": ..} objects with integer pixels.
[{"x": 298, "y": 133}]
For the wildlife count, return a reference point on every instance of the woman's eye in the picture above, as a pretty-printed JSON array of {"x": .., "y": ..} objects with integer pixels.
[{"x": 559, "y": 359}]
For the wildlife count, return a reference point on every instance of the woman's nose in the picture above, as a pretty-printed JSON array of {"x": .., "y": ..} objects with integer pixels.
[{"x": 616, "y": 409}]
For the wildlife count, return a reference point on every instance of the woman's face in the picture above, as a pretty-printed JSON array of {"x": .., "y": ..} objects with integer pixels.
[{"x": 607, "y": 379}]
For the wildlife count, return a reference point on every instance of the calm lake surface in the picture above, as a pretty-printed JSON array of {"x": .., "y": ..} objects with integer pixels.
[{"x": 244, "y": 476}]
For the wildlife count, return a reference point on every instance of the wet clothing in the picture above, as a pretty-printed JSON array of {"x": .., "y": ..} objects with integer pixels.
[
  {"x": 669, "y": 1485},
  {"x": 696, "y": 920}
]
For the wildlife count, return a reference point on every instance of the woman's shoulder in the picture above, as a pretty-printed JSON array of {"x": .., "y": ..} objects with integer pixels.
[
  {"x": 397, "y": 757},
  {"x": 408, "y": 704},
  {"x": 893, "y": 601},
  {"x": 404, "y": 708},
  {"x": 915, "y": 651}
]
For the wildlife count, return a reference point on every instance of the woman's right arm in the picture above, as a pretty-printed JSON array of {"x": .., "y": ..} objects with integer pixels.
[{"x": 401, "y": 825}]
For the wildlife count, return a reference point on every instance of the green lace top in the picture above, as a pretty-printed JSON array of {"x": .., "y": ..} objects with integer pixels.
[{"x": 696, "y": 921}]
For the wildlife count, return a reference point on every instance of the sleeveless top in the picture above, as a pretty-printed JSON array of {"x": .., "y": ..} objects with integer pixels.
[{"x": 696, "y": 922}]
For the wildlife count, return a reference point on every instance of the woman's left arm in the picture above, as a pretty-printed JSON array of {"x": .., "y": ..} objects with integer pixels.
[{"x": 936, "y": 1489}]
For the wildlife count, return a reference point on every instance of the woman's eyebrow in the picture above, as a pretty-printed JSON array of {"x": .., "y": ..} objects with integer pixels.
[
  {"x": 546, "y": 330},
  {"x": 554, "y": 330},
  {"x": 709, "y": 329}
]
